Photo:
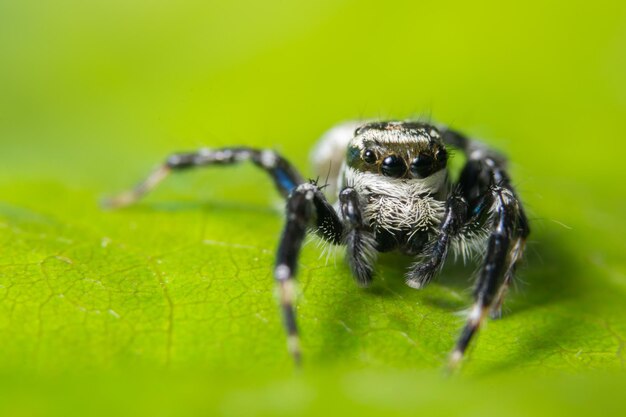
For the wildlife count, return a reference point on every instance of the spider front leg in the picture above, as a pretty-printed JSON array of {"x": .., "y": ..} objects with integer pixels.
[
  {"x": 360, "y": 242},
  {"x": 454, "y": 218},
  {"x": 306, "y": 208},
  {"x": 285, "y": 177}
]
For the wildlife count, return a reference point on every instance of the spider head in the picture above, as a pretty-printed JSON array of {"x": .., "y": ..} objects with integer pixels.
[{"x": 397, "y": 149}]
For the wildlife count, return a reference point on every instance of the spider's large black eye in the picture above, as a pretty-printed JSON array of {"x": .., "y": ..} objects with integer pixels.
[
  {"x": 369, "y": 156},
  {"x": 422, "y": 166},
  {"x": 393, "y": 166}
]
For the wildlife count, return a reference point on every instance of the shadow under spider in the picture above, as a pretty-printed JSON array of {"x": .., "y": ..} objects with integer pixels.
[
  {"x": 548, "y": 273},
  {"x": 552, "y": 273}
]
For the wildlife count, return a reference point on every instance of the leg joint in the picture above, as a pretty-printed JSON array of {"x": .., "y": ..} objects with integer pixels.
[
  {"x": 181, "y": 160},
  {"x": 350, "y": 209}
]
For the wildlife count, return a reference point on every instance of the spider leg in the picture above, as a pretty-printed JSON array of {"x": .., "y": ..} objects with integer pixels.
[
  {"x": 516, "y": 253},
  {"x": 455, "y": 216},
  {"x": 504, "y": 216},
  {"x": 285, "y": 176},
  {"x": 494, "y": 207},
  {"x": 360, "y": 242},
  {"x": 306, "y": 208}
]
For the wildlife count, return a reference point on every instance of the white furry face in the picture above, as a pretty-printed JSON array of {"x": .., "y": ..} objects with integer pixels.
[{"x": 398, "y": 204}]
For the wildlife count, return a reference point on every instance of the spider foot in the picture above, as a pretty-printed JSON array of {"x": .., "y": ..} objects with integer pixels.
[
  {"x": 421, "y": 274},
  {"x": 496, "y": 312},
  {"x": 454, "y": 362}
]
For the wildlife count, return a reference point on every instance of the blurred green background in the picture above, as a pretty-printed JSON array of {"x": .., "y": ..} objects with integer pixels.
[{"x": 167, "y": 308}]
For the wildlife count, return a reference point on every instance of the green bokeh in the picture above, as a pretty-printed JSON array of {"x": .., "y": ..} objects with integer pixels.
[{"x": 167, "y": 308}]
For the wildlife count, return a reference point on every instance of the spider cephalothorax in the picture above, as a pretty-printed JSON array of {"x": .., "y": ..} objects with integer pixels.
[
  {"x": 397, "y": 150},
  {"x": 390, "y": 180}
]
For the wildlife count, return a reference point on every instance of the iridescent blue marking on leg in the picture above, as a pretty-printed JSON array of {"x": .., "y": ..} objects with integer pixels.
[{"x": 285, "y": 180}]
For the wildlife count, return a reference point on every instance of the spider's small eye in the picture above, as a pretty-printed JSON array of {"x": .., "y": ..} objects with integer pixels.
[
  {"x": 369, "y": 156},
  {"x": 393, "y": 166},
  {"x": 441, "y": 155},
  {"x": 422, "y": 166}
]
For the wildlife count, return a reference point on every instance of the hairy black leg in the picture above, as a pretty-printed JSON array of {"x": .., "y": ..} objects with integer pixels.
[
  {"x": 306, "y": 208},
  {"x": 517, "y": 250},
  {"x": 493, "y": 203},
  {"x": 481, "y": 173},
  {"x": 504, "y": 219},
  {"x": 285, "y": 176},
  {"x": 360, "y": 242},
  {"x": 454, "y": 217}
]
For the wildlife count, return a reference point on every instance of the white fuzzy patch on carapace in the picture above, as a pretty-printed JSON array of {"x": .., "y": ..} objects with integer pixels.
[{"x": 409, "y": 136}]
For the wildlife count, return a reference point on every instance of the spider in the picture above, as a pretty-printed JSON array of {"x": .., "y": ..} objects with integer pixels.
[{"x": 394, "y": 193}]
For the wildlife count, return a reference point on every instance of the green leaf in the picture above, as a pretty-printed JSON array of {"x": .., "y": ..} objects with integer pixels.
[{"x": 168, "y": 307}]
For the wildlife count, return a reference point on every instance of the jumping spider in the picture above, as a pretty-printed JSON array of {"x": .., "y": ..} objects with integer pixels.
[{"x": 394, "y": 193}]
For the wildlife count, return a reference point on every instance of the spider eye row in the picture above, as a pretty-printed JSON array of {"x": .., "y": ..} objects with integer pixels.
[{"x": 395, "y": 166}]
